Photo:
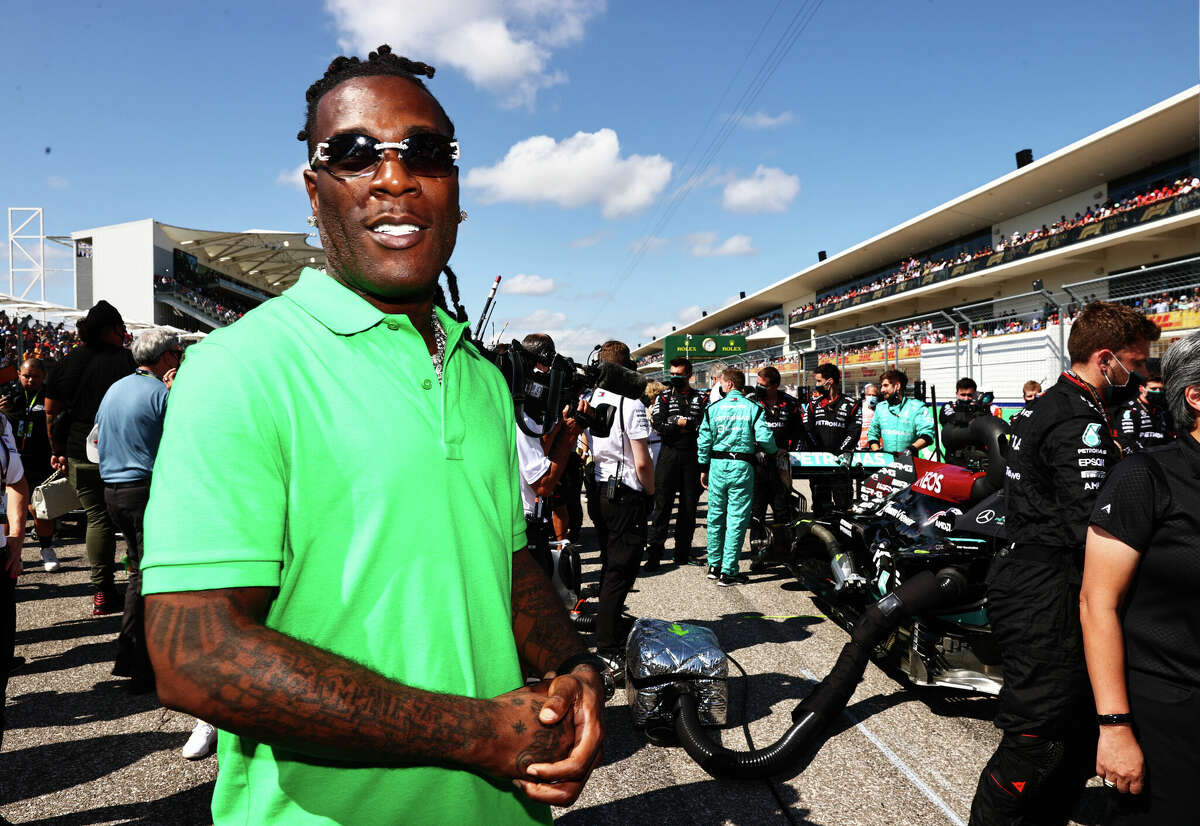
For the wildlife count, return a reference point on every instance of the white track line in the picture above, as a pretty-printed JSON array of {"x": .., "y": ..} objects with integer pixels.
[{"x": 897, "y": 762}]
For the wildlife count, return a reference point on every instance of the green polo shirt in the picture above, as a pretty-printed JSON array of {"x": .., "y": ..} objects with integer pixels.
[{"x": 311, "y": 448}]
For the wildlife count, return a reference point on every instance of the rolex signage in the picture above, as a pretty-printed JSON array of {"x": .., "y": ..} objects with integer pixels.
[{"x": 702, "y": 348}]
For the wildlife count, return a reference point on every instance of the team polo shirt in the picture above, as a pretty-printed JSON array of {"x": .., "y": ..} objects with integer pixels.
[{"x": 311, "y": 448}]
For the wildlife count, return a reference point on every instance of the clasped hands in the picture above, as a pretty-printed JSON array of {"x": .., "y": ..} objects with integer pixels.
[{"x": 549, "y": 735}]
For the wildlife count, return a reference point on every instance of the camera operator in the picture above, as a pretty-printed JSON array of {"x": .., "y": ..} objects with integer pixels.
[
  {"x": 625, "y": 484},
  {"x": 24, "y": 403},
  {"x": 676, "y": 416},
  {"x": 543, "y": 461},
  {"x": 957, "y": 415},
  {"x": 1144, "y": 422},
  {"x": 900, "y": 426},
  {"x": 968, "y": 403},
  {"x": 1060, "y": 453},
  {"x": 833, "y": 422}
]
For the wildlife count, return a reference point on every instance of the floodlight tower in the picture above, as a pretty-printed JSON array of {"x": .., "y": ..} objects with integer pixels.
[{"x": 27, "y": 238}]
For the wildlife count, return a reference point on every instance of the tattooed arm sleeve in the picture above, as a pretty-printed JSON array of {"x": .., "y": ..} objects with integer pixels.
[{"x": 214, "y": 658}]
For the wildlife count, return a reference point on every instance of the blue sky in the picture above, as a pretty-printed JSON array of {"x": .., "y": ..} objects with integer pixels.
[{"x": 576, "y": 118}]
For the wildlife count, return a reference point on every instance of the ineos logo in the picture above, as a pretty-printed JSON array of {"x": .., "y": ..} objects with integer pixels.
[
  {"x": 983, "y": 517},
  {"x": 931, "y": 481}
]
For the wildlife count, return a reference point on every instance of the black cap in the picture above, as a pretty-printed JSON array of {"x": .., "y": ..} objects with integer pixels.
[{"x": 103, "y": 315}]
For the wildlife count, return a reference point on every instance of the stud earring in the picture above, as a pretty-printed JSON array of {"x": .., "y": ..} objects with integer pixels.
[
  {"x": 312, "y": 220},
  {"x": 462, "y": 215}
]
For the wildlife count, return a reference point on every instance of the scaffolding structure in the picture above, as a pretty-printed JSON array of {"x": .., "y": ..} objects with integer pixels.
[{"x": 26, "y": 251}]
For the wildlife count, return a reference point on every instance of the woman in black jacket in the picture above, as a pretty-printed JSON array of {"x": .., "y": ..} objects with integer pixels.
[{"x": 1141, "y": 615}]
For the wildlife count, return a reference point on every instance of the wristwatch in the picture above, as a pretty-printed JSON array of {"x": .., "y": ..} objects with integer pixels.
[{"x": 570, "y": 663}]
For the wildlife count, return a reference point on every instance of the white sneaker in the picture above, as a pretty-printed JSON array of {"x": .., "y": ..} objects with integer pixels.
[
  {"x": 49, "y": 559},
  {"x": 202, "y": 742}
]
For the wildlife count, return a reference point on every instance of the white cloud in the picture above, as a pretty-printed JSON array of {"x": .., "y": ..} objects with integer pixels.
[
  {"x": 504, "y": 46},
  {"x": 293, "y": 177},
  {"x": 524, "y": 284},
  {"x": 583, "y": 169},
  {"x": 56, "y": 182},
  {"x": 655, "y": 331},
  {"x": 572, "y": 341},
  {"x": 650, "y": 243},
  {"x": 761, "y": 120},
  {"x": 588, "y": 241},
  {"x": 768, "y": 190},
  {"x": 704, "y": 245},
  {"x": 685, "y": 316}
]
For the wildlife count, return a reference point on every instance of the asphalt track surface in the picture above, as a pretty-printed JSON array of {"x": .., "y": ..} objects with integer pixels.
[{"x": 79, "y": 750}]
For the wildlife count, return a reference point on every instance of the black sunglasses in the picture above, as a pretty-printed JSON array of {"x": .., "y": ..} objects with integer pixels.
[{"x": 352, "y": 155}]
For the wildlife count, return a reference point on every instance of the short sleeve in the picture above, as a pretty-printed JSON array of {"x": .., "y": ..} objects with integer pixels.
[
  {"x": 218, "y": 501},
  {"x": 1128, "y": 504},
  {"x": 531, "y": 458},
  {"x": 518, "y": 516},
  {"x": 638, "y": 425},
  {"x": 14, "y": 469}
]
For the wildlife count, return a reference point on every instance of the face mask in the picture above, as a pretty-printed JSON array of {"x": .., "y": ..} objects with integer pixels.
[
  {"x": 760, "y": 391},
  {"x": 1156, "y": 398},
  {"x": 721, "y": 391},
  {"x": 1118, "y": 394},
  {"x": 870, "y": 401},
  {"x": 822, "y": 391},
  {"x": 1029, "y": 404},
  {"x": 679, "y": 382},
  {"x": 894, "y": 398}
]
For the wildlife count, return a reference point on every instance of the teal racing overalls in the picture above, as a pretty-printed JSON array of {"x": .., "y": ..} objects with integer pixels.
[
  {"x": 896, "y": 428},
  {"x": 731, "y": 430}
]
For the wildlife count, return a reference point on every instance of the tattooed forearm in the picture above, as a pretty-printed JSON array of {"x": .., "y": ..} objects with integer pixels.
[
  {"x": 541, "y": 628},
  {"x": 275, "y": 689}
]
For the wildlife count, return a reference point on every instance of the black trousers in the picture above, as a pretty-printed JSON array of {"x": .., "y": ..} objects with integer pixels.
[
  {"x": 8, "y": 639},
  {"x": 676, "y": 473},
  {"x": 770, "y": 490},
  {"x": 593, "y": 509},
  {"x": 568, "y": 494},
  {"x": 126, "y": 507},
  {"x": 827, "y": 496},
  {"x": 1048, "y": 750},
  {"x": 1167, "y": 726},
  {"x": 625, "y": 521}
]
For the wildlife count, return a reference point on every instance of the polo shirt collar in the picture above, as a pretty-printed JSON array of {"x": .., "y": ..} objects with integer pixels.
[{"x": 344, "y": 312}]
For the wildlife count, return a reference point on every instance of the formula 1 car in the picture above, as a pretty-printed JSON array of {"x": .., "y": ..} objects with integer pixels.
[
  {"x": 902, "y": 570},
  {"x": 911, "y": 515}
]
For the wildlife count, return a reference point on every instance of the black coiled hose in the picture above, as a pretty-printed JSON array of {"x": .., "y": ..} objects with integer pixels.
[{"x": 811, "y": 717}]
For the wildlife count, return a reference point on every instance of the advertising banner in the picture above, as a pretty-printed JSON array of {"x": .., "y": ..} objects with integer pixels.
[{"x": 702, "y": 348}]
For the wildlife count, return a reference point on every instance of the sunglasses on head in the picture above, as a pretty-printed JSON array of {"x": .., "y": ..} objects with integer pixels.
[{"x": 353, "y": 154}]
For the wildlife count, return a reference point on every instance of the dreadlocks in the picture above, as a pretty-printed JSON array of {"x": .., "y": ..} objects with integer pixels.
[{"x": 379, "y": 62}]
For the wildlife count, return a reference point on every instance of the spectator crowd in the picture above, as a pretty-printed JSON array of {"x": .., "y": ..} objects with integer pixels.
[{"x": 914, "y": 268}]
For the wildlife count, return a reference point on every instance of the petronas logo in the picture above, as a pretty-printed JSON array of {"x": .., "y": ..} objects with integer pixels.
[{"x": 1091, "y": 436}]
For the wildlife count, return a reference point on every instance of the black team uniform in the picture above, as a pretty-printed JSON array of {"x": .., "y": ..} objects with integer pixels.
[
  {"x": 1152, "y": 504},
  {"x": 676, "y": 472},
  {"x": 783, "y": 418},
  {"x": 1062, "y": 450},
  {"x": 832, "y": 425},
  {"x": 1141, "y": 427}
]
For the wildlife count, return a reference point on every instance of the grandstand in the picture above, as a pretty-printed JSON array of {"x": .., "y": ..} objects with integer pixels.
[
  {"x": 186, "y": 278},
  {"x": 987, "y": 283}
]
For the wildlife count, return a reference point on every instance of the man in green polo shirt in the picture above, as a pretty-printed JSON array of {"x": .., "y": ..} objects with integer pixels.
[{"x": 335, "y": 568}]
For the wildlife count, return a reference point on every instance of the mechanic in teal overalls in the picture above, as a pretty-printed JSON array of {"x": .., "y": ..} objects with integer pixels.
[
  {"x": 730, "y": 432},
  {"x": 900, "y": 426}
]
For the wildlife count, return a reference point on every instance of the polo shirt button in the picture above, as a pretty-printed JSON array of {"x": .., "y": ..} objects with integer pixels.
[
  {"x": 427, "y": 384},
  {"x": 393, "y": 325}
]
